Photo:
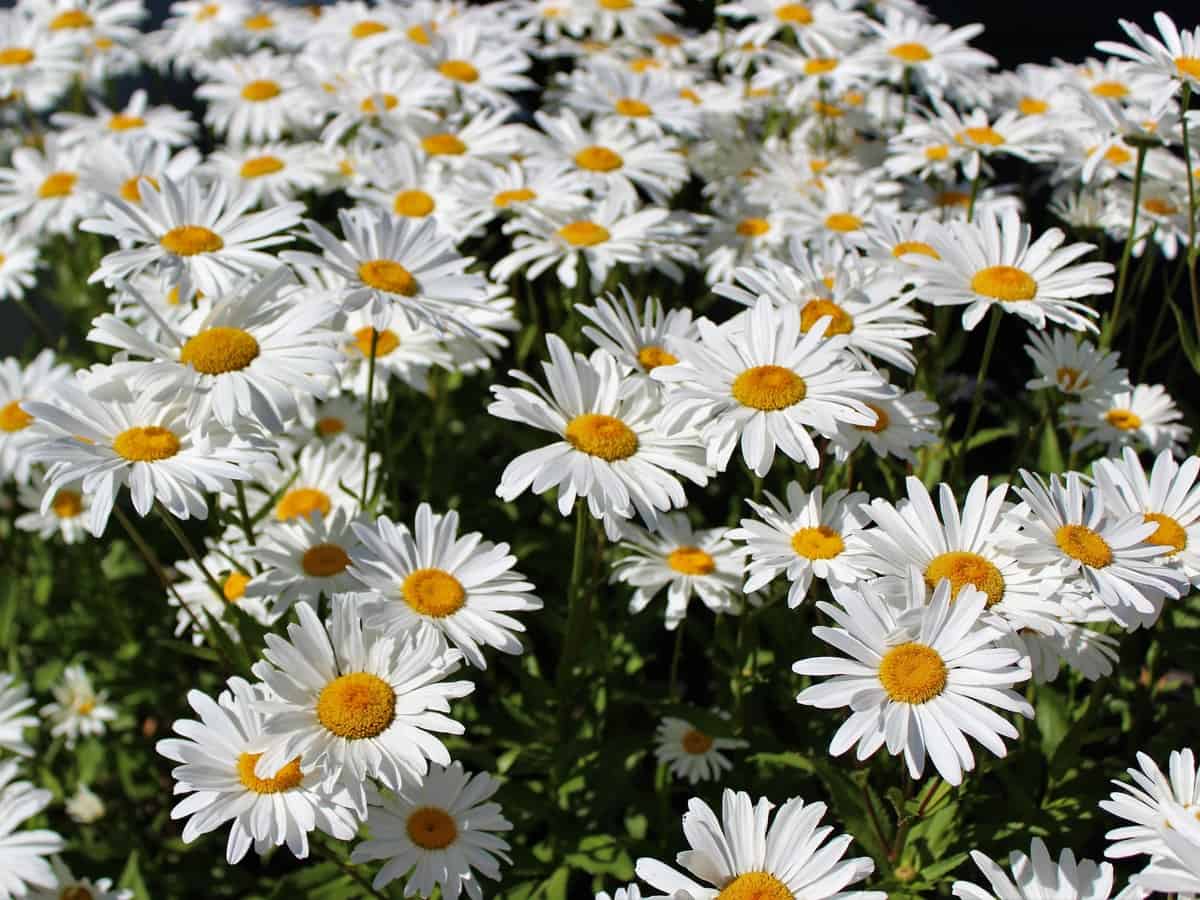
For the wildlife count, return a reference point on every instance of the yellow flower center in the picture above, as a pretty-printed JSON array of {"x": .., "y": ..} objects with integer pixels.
[
  {"x": 418, "y": 35},
  {"x": 330, "y": 425},
  {"x": 384, "y": 344},
  {"x": 904, "y": 248},
  {"x": 882, "y": 419},
  {"x": 753, "y": 227},
  {"x": 953, "y": 198},
  {"x": 1070, "y": 379},
  {"x": 16, "y": 56},
  {"x": 963, "y": 568},
  {"x": 843, "y": 222},
  {"x": 1117, "y": 155},
  {"x": 258, "y": 166},
  {"x": 284, "y": 780},
  {"x": 1123, "y": 419},
  {"x": 598, "y": 159},
  {"x": 389, "y": 276},
  {"x": 13, "y": 418},
  {"x": 913, "y": 673},
  {"x": 368, "y": 105},
  {"x": 433, "y": 592},
  {"x": 756, "y": 886},
  {"x": 632, "y": 107},
  {"x": 357, "y": 706},
  {"x": 324, "y": 560},
  {"x": 1188, "y": 66},
  {"x": 76, "y": 892},
  {"x": 216, "y": 351},
  {"x": 643, "y": 63},
  {"x": 1159, "y": 206},
  {"x": 443, "y": 145},
  {"x": 413, "y": 204},
  {"x": 1031, "y": 106},
  {"x": 819, "y": 65},
  {"x": 67, "y": 504},
  {"x": 937, "y": 152},
  {"x": 505, "y": 199},
  {"x": 1081, "y": 543},
  {"x": 206, "y": 12},
  {"x": 131, "y": 190},
  {"x": 57, "y": 184},
  {"x": 258, "y": 91},
  {"x": 651, "y": 357},
  {"x": 769, "y": 388},
  {"x": 459, "y": 70},
  {"x": 260, "y": 22},
  {"x": 599, "y": 435},
  {"x": 146, "y": 444},
  {"x": 123, "y": 122},
  {"x": 911, "y": 52},
  {"x": 695, "y": 742},
  {"x": 689, "y": 95},
  {"x": 86, "y": 707},
  {"x": 366, "y": 28},
  {"x": 234, "y": 588},
  {"x": 983, "y": 134},
  {"x": 584, "y": 233},
  {"x": 1169, "y": 533},
  {"x": 303, "y": 502},
  {"x": 431, "y": 828},
  {"x": 1110, "y": 89},
  {"x": 71, "y": 19},
  {"x": 817, "y": 542},
  {"x": 189, "y": 240},
  {"x": 1006, "y": 283},
  {"x": 816, "y": 309},
  {"x": 614, "y": 5},
  {"x": 691, "y": 561},
  {"x": 794, "y": 14}
]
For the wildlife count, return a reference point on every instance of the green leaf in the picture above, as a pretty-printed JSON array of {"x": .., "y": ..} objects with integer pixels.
[
  {"x": 1050, "y": 458},
  {"x": 1053, "y": 719},
  {"x": 846, "y": 799},
  {"x": 985, "y": 436},
  {"x": 131, "y": 878},
  {"x": 1187, "y": 339}
]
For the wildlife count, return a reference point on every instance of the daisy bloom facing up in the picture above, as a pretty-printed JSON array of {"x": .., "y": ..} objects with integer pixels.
[
  {"x": 464, "y": 587},
  {"x": 809, "y": 536},
  {"x": 67, "y": 515},
  {"x": 18, "y": 260},
  {"x": 251, "y": 99},
  {"x": 362, "y": 704},
  {"x": 690, "y": 753},
  {"x": 439, "y": 832},
  {"x": 72, "y": 888},
  {"x": 1171, "y": 60},
  {"x": 303, "y": 558},
  {"x": 313, "y": 481},
  {"x": 991, "y": 261},
  {"x": 23, "y": 854},
  {"x": 686, "y": 562},
  {"x": 1073, "y": 366},
  {"x": 40, "y": 379},
  {"x": 229, "y": 562},
  {"x": 14, "y": 700},
  {"x": 219, "y": 754},
  {"x": 609, "y": 448},
  {"x": 1141, "y": 416},
  {"x": 919, "y": 681},
  {"x": 1037, "y": 876},
  {"x": 905, "y": 421},
  {"x": 78, "y": 710},
  {"x": 940, "y": 56},
  {"x": 638, "y": 338},
  {"x": 1144, "y": 803},
  {"x": 746, "y": 855},
  {"x": 766, "y": 385}
]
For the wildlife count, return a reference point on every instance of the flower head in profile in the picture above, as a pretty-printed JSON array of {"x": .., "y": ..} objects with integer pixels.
[
  {"x": 78, "y": 709},
  {"x": 1038, "y": 875},
  {"x": 692, "y": 753}
]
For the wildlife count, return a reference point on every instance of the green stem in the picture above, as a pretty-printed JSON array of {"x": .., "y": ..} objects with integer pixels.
[
  {"x": 244, "y": 510},
  {"x": 907, "y": 89},
  {"x": 350, "y": 870},
  {"x": 974, "y": 192},
  {"x": 1110, "y": 326},
  {"x": 366, "y": 476},
  {"x": 876, "y": 825},
  {"x": 1191, "y": 183},
  {"x": 576, "y": 599},
  {"x": 935, "y": 784},
  {"x": 977, "y": 400},
  {"x": 676, "y": 654},
  {"x": 38, "y": 323},
  {"x": 189, "y": 548}
]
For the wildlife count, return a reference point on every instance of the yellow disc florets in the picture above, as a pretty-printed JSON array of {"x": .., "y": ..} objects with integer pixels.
[
  {"x": 357, "y": 706},
  {"x": 146, "y": 444},
  {"x": 1082, "y": 543},
  {"x": 606, "y": 437},
  {"x": 285, "y": 779},
  {"x": 1006, "y": 283},
  {"x": 431, "y": 828},
  {"x": 433, "y": 592},
  {"x": 584, "y": 233},
  {"x": 324, "y": 560},
  {"x": 413, "y": 204},
  {"x": 816, "y": 309},
  {"x": 258, "y": 166},
  {"x": 303, "y": 501},
  {"x": 817, "y": 542},
  {"x": 769, "y": 388},
  {"x": 216, "y": 351},
  {"x": 1169, "y": 533},
  {"x": 963, "y": 568},
  {"x": 913, "y": 673},
  {"x": 189, "y": 240},
  {"x": 756, "y": 886},
  {"x": 695, "y": 742},
  {"x": 388, "y": 276},
  {"x": 598, "y": 159},
  {"x": 263, "y": 89},
  {"x": 652, "y": 356},
  {"x": 13, "y": 418},
  {"x": 691, "y": 561},
  {"x": 1123, "y": 419}
]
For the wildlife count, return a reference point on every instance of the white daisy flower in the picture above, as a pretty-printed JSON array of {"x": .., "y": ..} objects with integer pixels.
[
  {"x": 67, "y": 516},
  {"x": 252, "y": 99},
  {"x": 23, "y": 854},
  {"x": 274, "y": 173},
  {"x": 230, "y": 563},
  {"x": 14, "y": 700},
  {"x": 389, "y": 263},
  {"x": 42, "y": 189},
  {"x": 1090, "y": 653},
  {"x": 246, "y": 361},
  {"x": 409, "y": 185},
  {"x": 767, "y": 384},
  {"x": 745, "y": 854},
  {"x": 648, "y": 103},
  {"x": 459, "y": 142},
  {"x": 740, "y": 234},
  {"x": 363, "y": 704},
  {"x": 637, "y": 338},
  {"x": 219, "y": 755},
  {"x": 117, "y": 167},
  {"x": 1147, "y": 804},
  {"x": 108, "y": 438},
  {"x": 481, "y": 69},
  {"x": 335, "y": 418},
  {"x": 382, "y": 100},
  {"x": 609, "y": 448},
  {"x": 905, "y": 421},
  {"x": 633, "y": 19},
  {"x": 36, "y": 63},
  {"x": 984, "y": 136},
  {"x": 1141, "y": 416},
  {"x": 1074, "y": 366},
  {"x": 810, "y": 536},
  {"x": 70, "y": 887},
  {"x": 705, "y": 564},
  {"x": 690, "y": 753},
  {"x": 1177, "y": 871},
  {"x": 302, "y": 559},
  {"x": 313, "y": 481},
  {"x": 490, "y": 192},
  {"x": 838, "y": 212},
  {"x": 430, "y": 577},
  {"x": 992, "y": 261},
  {"x": 775, "y": 18},
  {"x": 165, "y": 125},
  {"x": 937, "y": 54},
  {"x": 78, "y": 710},
  {"x": 404, "y": 350},
  {"x": 1172, "y": 59},
  {"x": 18, "y": 261},
  {"x": 1065, "y": 528},
  {"x": 201, "y": 234},
  {"x": 85, "y": 807},
  {"x": 439, "y": 832},
  {"x": 1170, "y": 498},
  {"x": 39, "y": 380},
  {"x": 629, "y": 892},
  {"x": 1037, "y": 876}
]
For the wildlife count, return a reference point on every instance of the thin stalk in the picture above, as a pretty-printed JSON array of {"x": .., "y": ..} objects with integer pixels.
[
  {"x": 935, "y": 784},
  {"x": 977, "y": 400},
  {"x": 244, "y": 511},
  {"x": 876, "y": 825},
  {"x": 575, "y": 598},
  {"x": 1106, "y": 335},
  {"x": 363, "y": 883},
  {"x": 366, "y": 476},
  {"x": 38, "y": 323},
  {"x": 189, "y": 548},
  {"x": 1191, "y": 183},
  {"x": 676, "y": 654},
  {"x": 974, "y": 192},
  {"x": 907, "y": 89}
]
